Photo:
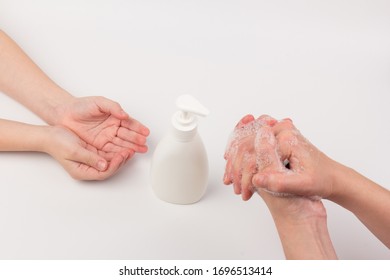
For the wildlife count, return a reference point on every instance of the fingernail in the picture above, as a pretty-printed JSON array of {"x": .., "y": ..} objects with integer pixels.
[{"x": 101, "y": 165}]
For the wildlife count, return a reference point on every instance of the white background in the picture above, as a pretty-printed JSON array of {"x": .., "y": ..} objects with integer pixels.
[{"x": 325, "y": 64}]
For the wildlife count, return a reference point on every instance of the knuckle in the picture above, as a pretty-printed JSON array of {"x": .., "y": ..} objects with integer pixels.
[{"x": 287, "y": 136}]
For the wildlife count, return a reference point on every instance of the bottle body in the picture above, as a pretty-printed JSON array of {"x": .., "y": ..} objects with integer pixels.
[{"x": 179, "y": 171}]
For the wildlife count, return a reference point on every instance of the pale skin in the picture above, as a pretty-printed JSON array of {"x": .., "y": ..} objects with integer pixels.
[
  {"x": 91, "y": 137},
  {"x": 299, "y": 218}
]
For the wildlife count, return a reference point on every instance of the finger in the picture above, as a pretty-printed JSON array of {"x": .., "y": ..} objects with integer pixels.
[
  {"x": 129, "y": 145},
  {"x": 89, "y": 158},
  {"x": 285, "y": 124},
  {"x": 131, "y": 136},
  {"x": 130, "y": 155},
  {"x": 237, "y": 175},
  {"x": 230, "y": 156},
  {"x": 267, "y": 120},
  {"x": 115, "y": 164},
  {"x": 248, "y": 169},
  {"x": 112, "y": 148},
  {"x": 283, "y": 182},
  {"x": 117, "y": 145},
  {"x": 231, "y": 151},
  {"x": 108, "y": 106},
  {"x": 245, "y": 120},
  {"x": 240, "y": 163},
  {"x": 227, "y": 178},
  {"x": 246, "y": 186},
  {"x": 134, "y": 125},
  {"x": 108, "y": 156}
]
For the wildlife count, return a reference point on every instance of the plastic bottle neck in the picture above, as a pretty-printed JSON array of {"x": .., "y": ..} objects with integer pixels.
[
  {"x": 184, "y": 131},
  {"x": 184, "y": 136}
]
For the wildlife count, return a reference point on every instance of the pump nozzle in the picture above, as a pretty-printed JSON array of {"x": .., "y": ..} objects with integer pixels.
[
  {"x": 185, "y": 119},
  {"x": 189, "y": 104}
]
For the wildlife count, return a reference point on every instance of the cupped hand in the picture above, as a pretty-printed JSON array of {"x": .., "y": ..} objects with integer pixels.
[
  {"x": 104, "y": 125},
  {"x": 80, "y": 159}
]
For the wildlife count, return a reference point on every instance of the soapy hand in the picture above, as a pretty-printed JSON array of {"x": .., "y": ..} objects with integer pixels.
[
  {"x": 310, "y": 170},
  {"x": 247, "y": 153},
  {"x": 255, "y": 155}
]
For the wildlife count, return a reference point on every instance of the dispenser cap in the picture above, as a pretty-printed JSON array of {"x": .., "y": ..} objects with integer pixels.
[
  {"x": 185, "y": 119},
  {"x": 188, "y": 103}
]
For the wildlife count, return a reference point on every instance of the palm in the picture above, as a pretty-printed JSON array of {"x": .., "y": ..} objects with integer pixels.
[
  {"x": 77, "y": 156},
  {"x": 109, "y": 131},
  {"x": 100, "y": 131}
]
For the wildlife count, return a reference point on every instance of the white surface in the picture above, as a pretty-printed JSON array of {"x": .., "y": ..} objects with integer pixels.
[{"x": 325, "y": 64}]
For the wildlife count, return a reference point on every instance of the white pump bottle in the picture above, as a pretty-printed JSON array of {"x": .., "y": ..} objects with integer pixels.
[{"x": 179, "y": 171}]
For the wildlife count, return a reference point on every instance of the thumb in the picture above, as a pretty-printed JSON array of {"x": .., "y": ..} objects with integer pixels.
[
  {"x": 111, "y": 107},
  {"x": 280, "y": 182},
  {"x": 91, "y": 159}
]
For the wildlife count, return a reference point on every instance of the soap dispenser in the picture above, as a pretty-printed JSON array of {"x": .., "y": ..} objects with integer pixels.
[{"x": 179, "y": 171}]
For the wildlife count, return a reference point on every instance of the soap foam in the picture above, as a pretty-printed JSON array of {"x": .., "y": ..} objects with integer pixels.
[
  {"x": 254, "y": 134},
  {"x": 278, "y": 194}
]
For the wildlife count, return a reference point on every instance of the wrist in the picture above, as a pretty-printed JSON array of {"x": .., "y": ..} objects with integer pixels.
[
  {"x": 54, "y": 103},
  {"x": 306, "y": 219},
  {"x": 302, "y": 227},
  {"x": 308, "y": 239},
  {"x": 42, "y": 141},
  {"x": 51, "y": 140},
  {"x": 341, "y": 176},
  {"x": 295, "y": 210}
]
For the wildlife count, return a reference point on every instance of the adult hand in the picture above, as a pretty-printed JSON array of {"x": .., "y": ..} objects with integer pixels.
[
  {"x": 241, "y": 155},
  {"x": 300, "y": 221},
  {"x": 283, "y": 206},
  {"x": 310, "y": 171}
]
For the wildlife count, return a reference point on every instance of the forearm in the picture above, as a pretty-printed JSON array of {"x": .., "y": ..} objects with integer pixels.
[
  {"x": 24, "y": 81},
  {"x": 366, "y": 199},
  {"x": 16, "y": 136},
  {"x": 308, "y": 240},
  {"x": 302, "y": 226}
]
